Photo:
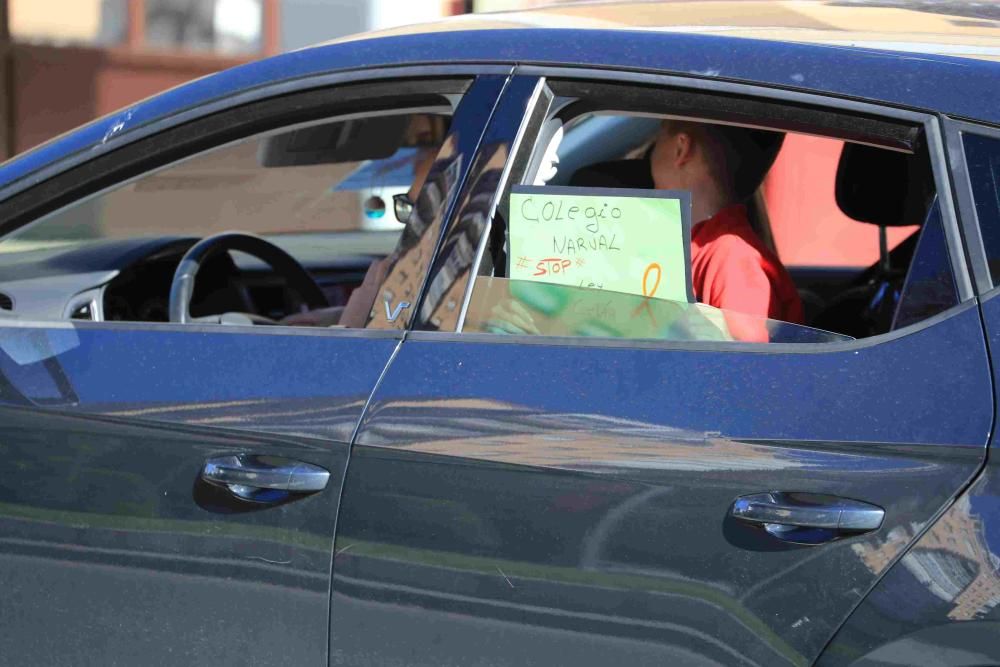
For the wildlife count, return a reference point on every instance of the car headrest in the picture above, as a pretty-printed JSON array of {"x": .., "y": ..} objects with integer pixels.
[
  {"x": 615, "y": 174},
  {"x": 882, "y": 187},
  {"x": 753, "y": 152}
]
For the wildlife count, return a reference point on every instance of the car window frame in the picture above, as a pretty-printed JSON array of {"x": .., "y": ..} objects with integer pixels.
[
  {"x": 968, "y": 216},
  {"x": 933, "y": 131},
  {"x": 504, "y": 135},
  {"x": 178, "y": 138}
]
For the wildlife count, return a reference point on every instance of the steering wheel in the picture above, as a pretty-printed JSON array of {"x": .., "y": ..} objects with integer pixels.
[{"x": 182, "y": 286}]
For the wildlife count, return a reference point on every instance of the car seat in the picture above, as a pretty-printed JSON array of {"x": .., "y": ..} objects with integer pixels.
[{"x": 888, "y": 189}]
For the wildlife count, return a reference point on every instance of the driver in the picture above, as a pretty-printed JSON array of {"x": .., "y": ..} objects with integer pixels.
[{"x": 424, "y": 131}]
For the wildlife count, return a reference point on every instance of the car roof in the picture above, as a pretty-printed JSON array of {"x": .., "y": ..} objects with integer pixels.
[
  {"x": 965, "y": 28},
  {"x": 935, "y": 82}
]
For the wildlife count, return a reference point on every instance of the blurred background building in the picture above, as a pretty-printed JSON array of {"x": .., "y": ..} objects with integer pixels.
[{"x": 66, "y": 62}]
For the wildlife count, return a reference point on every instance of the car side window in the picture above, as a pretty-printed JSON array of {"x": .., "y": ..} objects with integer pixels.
[
  {"x": 569, "y": 267},
  {"x": 982, "y": 156},
  {"x": 326, "y": 212}
]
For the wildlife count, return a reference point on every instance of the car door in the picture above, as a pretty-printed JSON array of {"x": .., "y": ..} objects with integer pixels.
[
  {"x": 170, "y": 491},
  {"x": 940, "y": 604},
  {"x": 522, "y": 499}
]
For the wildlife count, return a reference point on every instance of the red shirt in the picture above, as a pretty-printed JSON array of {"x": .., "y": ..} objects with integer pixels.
[{"x": 732, "y": 269}]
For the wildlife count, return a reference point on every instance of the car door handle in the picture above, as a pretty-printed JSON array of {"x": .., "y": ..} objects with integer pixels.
[
  {"x": 805, "y": 518},
  {"x": 264, "y": 479}
]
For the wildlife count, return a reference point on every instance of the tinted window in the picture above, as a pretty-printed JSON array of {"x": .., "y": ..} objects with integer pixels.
[
  {"x": 570, "y": 163},
  {"x": 336, "y": 196},
  {"x": 983, "y": 157},
  {"x": 288, "y": 181}
]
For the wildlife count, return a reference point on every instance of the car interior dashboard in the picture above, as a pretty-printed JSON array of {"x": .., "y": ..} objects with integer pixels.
[{"x": 130, "y": 280}]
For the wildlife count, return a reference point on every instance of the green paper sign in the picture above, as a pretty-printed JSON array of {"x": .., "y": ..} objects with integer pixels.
[{"x": 631, "y": 241}]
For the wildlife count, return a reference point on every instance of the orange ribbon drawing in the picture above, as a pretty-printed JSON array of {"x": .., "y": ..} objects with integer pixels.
[{"x": 648, "y": 292}]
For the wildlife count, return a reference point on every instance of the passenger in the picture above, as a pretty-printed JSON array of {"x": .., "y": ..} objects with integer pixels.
[{"x": 731, "y": 267}]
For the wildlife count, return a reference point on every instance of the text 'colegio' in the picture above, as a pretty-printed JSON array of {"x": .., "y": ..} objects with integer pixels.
[{"x": 559, "y": 211}]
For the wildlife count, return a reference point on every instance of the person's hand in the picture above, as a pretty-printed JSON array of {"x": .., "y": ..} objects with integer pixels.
[
  {"x": 355, "y": 313},
  {"x": 321, "y": 317},
  {"x": 510, "y": 316},
  {"x": 359, "y": 304}
]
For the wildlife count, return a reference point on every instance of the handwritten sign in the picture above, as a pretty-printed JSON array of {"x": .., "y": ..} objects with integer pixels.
[{"x": 620, "y": 240}]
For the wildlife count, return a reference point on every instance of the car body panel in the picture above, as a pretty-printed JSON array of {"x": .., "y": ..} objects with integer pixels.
[
  {"x": 940, "y": 604},
  {"x": 109, "y": 535},
  {"x": 583, "y": 489}
]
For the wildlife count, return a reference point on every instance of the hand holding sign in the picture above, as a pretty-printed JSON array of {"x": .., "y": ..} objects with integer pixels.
[{"x": 632, "y": 241}]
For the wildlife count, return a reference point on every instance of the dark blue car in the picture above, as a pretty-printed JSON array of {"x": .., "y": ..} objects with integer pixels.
[{"x": 477, "y": 455}]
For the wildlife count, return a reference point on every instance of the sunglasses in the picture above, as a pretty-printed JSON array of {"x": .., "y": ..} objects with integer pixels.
[{"x": 403, "y": 206}]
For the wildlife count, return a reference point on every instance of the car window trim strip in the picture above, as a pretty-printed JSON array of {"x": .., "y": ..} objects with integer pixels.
[
  {"x": 968, "y": 216},
  {"x": 540, "y": 100}
]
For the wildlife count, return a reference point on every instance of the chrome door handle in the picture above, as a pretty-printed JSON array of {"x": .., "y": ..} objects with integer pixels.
[
  {"x": 264, "y": 479},
  {"x": 805, "y": 518}
]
